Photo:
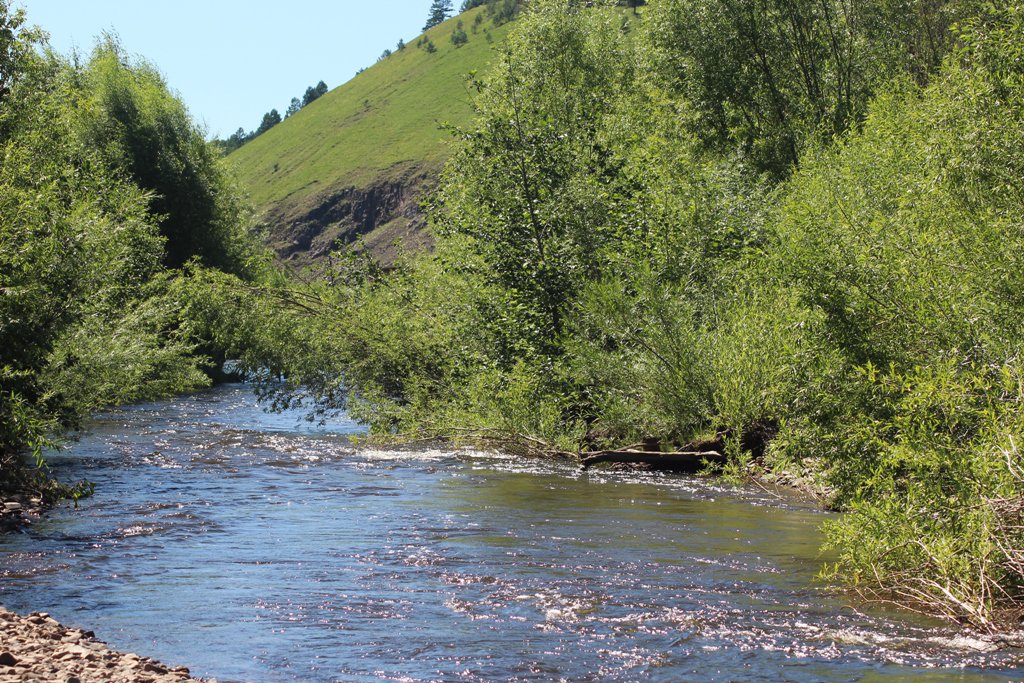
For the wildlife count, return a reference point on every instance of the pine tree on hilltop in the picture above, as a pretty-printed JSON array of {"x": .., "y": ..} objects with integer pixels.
[{"x": 439, "y": 11}]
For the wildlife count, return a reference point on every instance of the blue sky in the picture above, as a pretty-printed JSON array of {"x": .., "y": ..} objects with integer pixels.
[{"x": 233, "y": 60}]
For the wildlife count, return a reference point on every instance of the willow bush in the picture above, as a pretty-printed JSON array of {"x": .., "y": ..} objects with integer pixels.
[
  {"x": 907, "y": 237},
  {"x": 90, "y": 314}
]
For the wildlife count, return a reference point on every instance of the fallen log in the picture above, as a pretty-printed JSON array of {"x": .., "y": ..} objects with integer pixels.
[{"x": 684, "y": 461}]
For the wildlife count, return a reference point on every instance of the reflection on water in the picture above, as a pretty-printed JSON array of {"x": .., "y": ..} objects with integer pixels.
[{"x": 260, "y": 547}]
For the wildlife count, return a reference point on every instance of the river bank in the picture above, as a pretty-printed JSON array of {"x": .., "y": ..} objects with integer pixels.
[
  {"x": 38, "y": 648},
  {"x": 267, "y": 547},
  {"x": 18, "y": 511}
]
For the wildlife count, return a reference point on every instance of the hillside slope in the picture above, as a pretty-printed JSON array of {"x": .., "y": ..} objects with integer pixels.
[{"x": 357, "y": 161}]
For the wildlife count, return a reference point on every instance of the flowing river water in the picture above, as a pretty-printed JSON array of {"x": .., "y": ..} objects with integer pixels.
[{"x": 255, "y": 546}]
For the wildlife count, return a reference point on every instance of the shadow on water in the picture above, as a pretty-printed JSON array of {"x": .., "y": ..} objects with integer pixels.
[{"x": 263, "y": 547}]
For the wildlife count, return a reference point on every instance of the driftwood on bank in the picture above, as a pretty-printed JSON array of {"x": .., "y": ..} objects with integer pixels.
[
  {"x": 692, "y": 457},
  {"x": 688, "y": 461}
]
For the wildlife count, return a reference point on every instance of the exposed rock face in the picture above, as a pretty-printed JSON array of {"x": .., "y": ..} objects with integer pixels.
[
  {"x": 382, "y": 214},
  {"x": 38, "y": 648}
]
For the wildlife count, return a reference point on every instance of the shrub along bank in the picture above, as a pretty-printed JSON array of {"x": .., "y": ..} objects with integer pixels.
[
  {"x": 107, "y": 189},
  {"x": 791, "y": 226}
]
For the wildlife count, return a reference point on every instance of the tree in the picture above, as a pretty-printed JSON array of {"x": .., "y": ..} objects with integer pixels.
[
  {"x": 270, "y": 119},
  {"x": 459, "y": 37},
  {"x": 294, "y": 107},
  {"x": 145, "y": 131},
  {"x": 530, "y": 191},
  {"x": 101, "y": 169},
  {"x": 439, "y": 11},
  {"x": 314, "y": 92},
  {"x": 767, "y": 76},
  {"x": 15, "y": 43},
  {"x": 634, "y": 4}
]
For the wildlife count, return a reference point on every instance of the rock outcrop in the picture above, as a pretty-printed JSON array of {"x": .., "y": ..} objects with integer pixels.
[{"x": 382, "y": 215}]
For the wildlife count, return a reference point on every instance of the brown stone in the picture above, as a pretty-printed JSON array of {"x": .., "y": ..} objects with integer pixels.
[{"x": 47, "y": 652}]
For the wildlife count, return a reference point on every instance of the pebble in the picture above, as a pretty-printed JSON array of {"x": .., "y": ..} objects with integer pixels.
[{"x": 37, "y": 648}]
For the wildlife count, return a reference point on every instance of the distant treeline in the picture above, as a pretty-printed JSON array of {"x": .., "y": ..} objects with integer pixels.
[
  {"x": 271, "y": 119},
  {"x": 506, "y": 10}
]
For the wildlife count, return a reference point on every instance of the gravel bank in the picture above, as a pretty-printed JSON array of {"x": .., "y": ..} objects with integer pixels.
[{"x": 38, "y": 648}]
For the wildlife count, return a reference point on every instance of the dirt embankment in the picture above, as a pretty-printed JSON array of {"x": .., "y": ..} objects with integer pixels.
[
  {"x": 381, "y": 215},
  {"x": 36, "y": 648}
]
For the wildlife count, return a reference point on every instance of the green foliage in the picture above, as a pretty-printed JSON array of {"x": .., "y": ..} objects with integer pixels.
[
  {"x": 526, "y": 188},
  {"x": 145, "y": 352},
  {"x": 503, "y": 11},
  {"x": 439, "y": 11},
  {"x": 76, "y": 246},
  {"x": 768, "y": 77},
  {"x": 15, "y": 46},
  {"x": 89, "y": 315},
  {"x": 459, "y": 37},
  {"x": 906, "y": 266},
  {"x": 270, "y": 119},
  {"x": 390, "y": 350},
  {"x": 638, "y": 351},
  {"x": 146, "y": 132},
  {"x": 934, "y": 518},
  {"x": 906, "y": 238},
  {"x": 315, "y": 92}
]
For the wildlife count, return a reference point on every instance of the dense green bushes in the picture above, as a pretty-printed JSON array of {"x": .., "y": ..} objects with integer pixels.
[
  {"x": 907, "y": 237},
  {"x": 770, "y": 77},
  {"x": 144, "y": 131},
  {"x": 91, "y": 208},
  {"x": 785, "y": 222}
]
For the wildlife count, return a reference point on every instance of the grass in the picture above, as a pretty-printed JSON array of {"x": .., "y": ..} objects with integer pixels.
[{"x": 381, "y": 125}]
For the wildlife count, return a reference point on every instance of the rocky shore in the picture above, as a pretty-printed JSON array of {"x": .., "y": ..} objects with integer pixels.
[
  {"x": 18, "y": 511},
  {"x": 36, "y": 648}
]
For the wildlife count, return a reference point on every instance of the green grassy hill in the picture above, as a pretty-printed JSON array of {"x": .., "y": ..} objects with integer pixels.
[{"x": 356, "y": 161}]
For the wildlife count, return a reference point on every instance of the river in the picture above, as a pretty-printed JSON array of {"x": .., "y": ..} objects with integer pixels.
[{"x": 255, "y": 546}]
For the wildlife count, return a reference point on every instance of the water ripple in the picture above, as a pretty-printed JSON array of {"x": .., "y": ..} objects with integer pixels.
[{"x": 267, "y": 547}]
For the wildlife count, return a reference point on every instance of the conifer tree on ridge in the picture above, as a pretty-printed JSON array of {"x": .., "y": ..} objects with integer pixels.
[{"x": 439, "y": 11}]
